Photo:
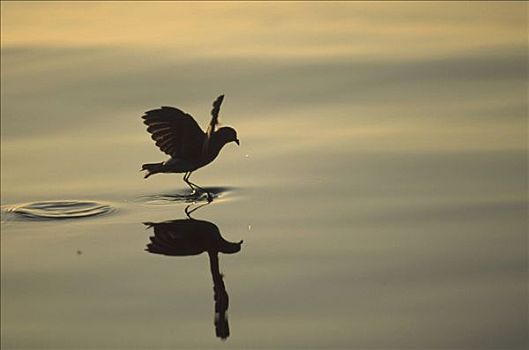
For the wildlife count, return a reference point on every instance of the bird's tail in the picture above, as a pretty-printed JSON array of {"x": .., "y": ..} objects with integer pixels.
[{"x": 152, "y": 168}]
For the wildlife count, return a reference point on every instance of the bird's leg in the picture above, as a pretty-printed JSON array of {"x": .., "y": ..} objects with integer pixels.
[
  {"x": 210, "y": 197},
  {"x": 186, "y": 180},
  {"x": 189, "y": 212}
]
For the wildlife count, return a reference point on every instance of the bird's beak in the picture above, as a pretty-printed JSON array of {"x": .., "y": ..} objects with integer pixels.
[{"x": 237, "y": 142}]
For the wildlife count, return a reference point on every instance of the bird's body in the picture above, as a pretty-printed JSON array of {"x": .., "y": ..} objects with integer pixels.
[
  {"x": 178, "y": 135},
  {"x": 185, "y": 164}
]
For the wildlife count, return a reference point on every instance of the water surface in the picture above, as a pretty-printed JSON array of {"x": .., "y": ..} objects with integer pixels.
[{"x": 380, "y": 187}]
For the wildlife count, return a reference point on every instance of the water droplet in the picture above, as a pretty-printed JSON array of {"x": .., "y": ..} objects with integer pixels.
[{"x": 249, "y": 227}]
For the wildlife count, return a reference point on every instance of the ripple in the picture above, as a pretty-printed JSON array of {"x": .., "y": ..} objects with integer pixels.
[
  {"x": 184, "y": 197},
  {"x": 59, "y": 210}
]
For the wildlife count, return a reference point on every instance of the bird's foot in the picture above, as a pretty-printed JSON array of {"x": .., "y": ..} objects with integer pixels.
[{"x": 197, "y": 194}]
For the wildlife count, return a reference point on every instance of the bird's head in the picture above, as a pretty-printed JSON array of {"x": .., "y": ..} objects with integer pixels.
[{"x": 227, "y": 134}]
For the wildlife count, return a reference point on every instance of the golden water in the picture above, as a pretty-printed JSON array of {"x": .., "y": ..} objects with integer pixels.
[{"x": 380, "y": 187}]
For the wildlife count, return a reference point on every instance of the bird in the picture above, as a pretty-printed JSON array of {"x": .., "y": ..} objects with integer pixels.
[{"x": 178, "y": 135}]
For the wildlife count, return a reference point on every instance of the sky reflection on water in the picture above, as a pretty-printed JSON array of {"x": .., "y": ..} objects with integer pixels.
[{"x": 380, "y": 186}]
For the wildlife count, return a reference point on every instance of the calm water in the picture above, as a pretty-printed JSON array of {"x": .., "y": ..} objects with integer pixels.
[{"x": 380, "y": 187}]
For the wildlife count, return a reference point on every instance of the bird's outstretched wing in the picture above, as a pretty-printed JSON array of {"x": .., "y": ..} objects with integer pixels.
[
  {"x": 175, "y": 132},
  {"x": 215, "y": 115},
  {"x": 213, "y": 123}
]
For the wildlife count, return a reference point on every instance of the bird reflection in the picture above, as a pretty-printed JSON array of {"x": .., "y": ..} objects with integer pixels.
[{"x": 187, "y": 237}]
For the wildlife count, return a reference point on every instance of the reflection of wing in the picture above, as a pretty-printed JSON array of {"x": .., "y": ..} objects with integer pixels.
[
  {"x": 213, "y": 123},
  {"x": 176, "y": 133},
  {"x": 188, "y": 237},
  {"x": 177, "y": 238}
]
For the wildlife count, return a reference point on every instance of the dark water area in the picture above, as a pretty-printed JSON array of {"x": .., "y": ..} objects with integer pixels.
[{"x": 379, "y": 190}]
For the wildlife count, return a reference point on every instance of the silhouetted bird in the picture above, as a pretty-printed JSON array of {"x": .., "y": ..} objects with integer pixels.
[{"x": 177, "y": 134}]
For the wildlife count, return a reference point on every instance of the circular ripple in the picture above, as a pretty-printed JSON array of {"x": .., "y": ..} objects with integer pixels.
[{"x": 58, "y": 210}]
